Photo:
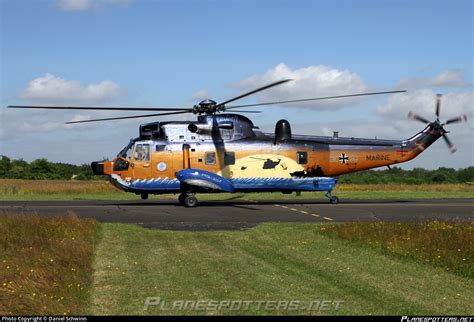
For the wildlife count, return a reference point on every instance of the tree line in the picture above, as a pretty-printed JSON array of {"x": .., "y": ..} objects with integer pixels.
[
  {"x": 44, "y": 169},
  {"x": 415, "y": 176}
]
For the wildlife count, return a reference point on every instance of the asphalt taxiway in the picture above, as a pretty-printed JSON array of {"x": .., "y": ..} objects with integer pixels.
[{"x": 241, "y": 214}]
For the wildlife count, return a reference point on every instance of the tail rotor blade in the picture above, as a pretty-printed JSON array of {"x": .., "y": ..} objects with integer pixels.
[
  {"x": 459, "y": 119},
  {"x": 438, "y": 104},
  {"x": 418, "y": 118},
  {"x": 451, "y": 146}
]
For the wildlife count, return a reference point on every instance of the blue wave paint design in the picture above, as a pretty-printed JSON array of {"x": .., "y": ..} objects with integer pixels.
[
  {"x": 205, "y": 179},
  {"x": 301, "y": 184},
  {"x": 240, "y": 184},
  {"x": 158, "y": 184}
]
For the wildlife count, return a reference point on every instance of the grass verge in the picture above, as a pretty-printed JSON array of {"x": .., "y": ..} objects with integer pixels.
[
  {"x": 45, "y": 264},
  {"x": 442, "y": 244},
  {"x": 11, "y": 189},
  {"x": 269, "y": 262}
]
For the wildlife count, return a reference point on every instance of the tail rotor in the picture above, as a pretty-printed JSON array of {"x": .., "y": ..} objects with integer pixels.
[{"x": 436, "y": 125}]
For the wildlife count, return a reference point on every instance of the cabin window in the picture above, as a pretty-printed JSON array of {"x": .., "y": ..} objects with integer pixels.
[
  {"x": 142, "y": 152},
  {"x": 302, "y": 157},
  {"x": 160, "y": 147},
  {"x": 229, "y": 158},
  {"x": 226, "y": 134},
  {"x": 210, "y": 157}
]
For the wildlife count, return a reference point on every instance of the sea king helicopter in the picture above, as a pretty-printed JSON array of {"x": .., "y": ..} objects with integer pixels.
[{"x": 225, "y": 152}]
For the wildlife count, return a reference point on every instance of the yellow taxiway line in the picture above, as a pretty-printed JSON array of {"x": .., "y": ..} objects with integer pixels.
[{"x": 303, "y": 212}]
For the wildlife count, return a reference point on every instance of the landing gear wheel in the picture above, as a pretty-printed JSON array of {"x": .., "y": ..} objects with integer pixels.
[
  {"x": 190, "y": 201},
  {"x": 144, "y": 195},
  {"x": 334, "y": 200}
]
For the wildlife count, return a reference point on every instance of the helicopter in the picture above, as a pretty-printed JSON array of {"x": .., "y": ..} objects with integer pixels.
[{"x": 226, "y": 152}]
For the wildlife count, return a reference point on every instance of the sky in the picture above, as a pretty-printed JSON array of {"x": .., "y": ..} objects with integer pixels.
[{"x": 175, "y": 53}]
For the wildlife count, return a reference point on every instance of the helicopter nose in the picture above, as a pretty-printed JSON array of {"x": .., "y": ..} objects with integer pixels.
[{"x": 97, "y": 167}]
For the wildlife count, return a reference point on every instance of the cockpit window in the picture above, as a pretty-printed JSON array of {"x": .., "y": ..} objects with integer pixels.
[
  {"x": 142, "y": 152},
  {"x": 126, "y": 152}
]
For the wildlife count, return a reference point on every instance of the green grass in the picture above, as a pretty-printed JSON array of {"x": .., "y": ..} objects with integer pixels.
[
  {"x": 245, "y": 196},
  {"x": 45, "y": 264},
  {"x": 268, "y": 262},
  {"x": 442, "y": 244},
  {"x": 11, "y": 189}
]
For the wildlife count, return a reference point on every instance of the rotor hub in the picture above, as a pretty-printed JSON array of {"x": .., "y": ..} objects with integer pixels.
[
  {"x": 437, "y": 127},
  {"x": 206, "y": 107}
]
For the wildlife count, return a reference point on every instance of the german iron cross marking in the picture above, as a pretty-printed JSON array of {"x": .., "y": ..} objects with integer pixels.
[{"x": 343, "y": 158}]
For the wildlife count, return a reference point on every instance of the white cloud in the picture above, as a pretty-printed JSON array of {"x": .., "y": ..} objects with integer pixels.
[
  {"x": 87, "y": 5},
  {"x": 447, "y": 78},
  {"x": 74, "y": 5},
  {"x": 358, "y": 128},
  {"x": 423, "y": 102},
  {"x": 53, "y": 89},
  {"x": 308, "y": 82}
]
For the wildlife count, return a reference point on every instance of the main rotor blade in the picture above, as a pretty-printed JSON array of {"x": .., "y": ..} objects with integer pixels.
[
  {"x": 127, "y": 117},
  {"x": 418, "y": 118},
  {"x": 438, "y": 103},
  {"x": 98, "y": 108},
  {"x": 462, "y": 118},
  {"x": 314, "y": 99},
  {"x": 255, "y": 91},
  {"x": 451, "y": 147}
]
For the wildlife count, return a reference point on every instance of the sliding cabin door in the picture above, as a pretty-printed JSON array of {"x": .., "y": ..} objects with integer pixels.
[{"x": 141, "y": 162}]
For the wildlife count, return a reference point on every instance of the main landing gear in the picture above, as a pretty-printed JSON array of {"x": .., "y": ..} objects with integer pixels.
[
  {"x": 332, "y": 199},
  {"x": 188, "y": 200}
]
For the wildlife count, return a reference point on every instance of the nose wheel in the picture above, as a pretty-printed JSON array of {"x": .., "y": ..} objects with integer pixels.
[
  {"x": 188, "y": 200},
  {"x": 332, "y": 199}
]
